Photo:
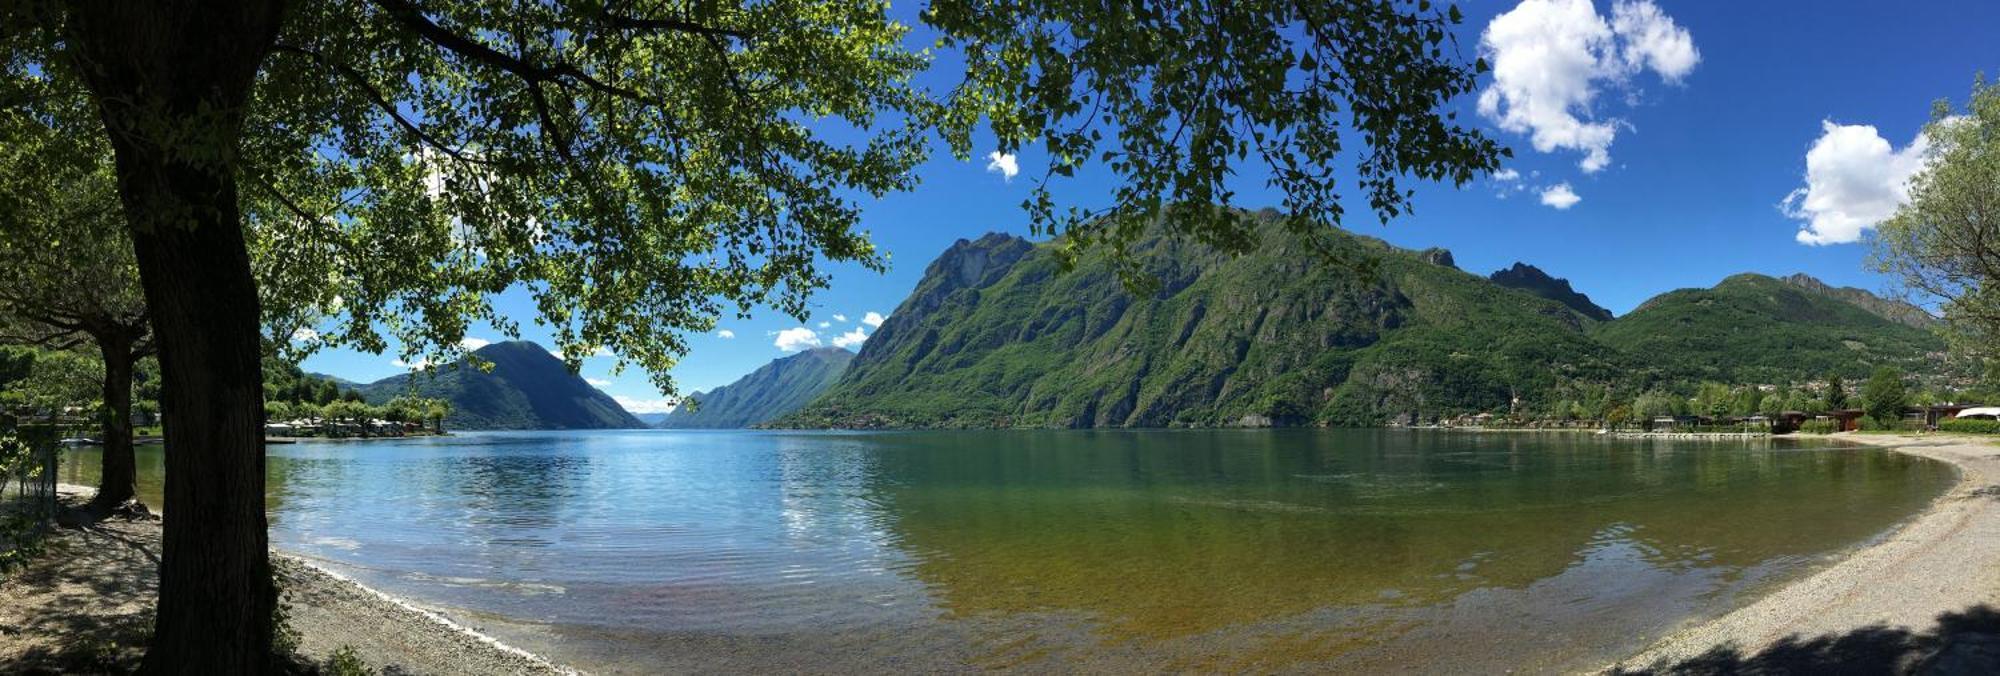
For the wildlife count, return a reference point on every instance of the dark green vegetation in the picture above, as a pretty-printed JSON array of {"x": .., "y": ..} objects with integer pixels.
[
  {"x": 1532, "y": 280},
  {"x": 773, "y": 390},
  {"x": 1757, "y": 329},
  {"x": 527, "y": 388},
  {"x": 996, "y": 336}
]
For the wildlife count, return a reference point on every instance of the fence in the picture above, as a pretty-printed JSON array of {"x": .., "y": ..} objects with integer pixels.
[{"x": 28, "y": 458}]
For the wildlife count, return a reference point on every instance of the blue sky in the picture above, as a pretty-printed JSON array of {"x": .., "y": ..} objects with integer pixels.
[{"x": 1716, "y": 114}]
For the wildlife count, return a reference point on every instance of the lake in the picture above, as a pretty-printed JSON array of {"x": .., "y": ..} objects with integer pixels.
[{"x": 1290, "y": 550}]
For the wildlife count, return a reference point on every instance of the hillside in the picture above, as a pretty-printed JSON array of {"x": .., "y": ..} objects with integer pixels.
[
  {"x": 1757, "y": 329},
  {"x": 773, "y": 390},
  {"x": 996, "y": 335},
  {"x": 1532, "y": 280},
  {"x": 527, "y": 389},
  {"x": 1886, "y": 308}
]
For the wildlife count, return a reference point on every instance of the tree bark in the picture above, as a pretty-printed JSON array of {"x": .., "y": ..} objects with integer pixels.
[
  {"x": 171, "y": 79},
  {"x": 119, "y": 475}
]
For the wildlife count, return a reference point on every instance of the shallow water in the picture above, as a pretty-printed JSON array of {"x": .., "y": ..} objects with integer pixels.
[{"x": 1269, "y": 550}]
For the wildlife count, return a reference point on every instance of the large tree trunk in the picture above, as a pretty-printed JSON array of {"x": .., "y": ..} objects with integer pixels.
[
  {"x": 172, "y": 79},
  {"x": 120, "y": 474}
]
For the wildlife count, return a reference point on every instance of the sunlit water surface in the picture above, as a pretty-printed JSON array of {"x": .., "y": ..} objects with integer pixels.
[{"x": 642, "y": 551}]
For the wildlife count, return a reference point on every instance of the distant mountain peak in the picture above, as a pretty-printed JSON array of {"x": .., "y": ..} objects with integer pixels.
[
  {"x": 1886, "y": 308},
  {"x": 1533, "y": 280},
  {"x": 528, "y": 388},
  {"x": 773, "y": 390}
]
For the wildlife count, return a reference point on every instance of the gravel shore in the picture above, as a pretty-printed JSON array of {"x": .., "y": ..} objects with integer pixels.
[
  {"x": 86, "y": 606},
  {"x": 1922, "y": 599}
]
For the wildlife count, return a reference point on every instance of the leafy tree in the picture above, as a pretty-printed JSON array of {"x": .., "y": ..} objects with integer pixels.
[
  {"x": 1943, "y": 242},
  {"x": 67, "y": 277},
  {"x": 635, "y": 168},
  {"x": 1884, "y": 396},
  {"x": 1749, "y": 401},
  {"x": 1836, "y": 393}
]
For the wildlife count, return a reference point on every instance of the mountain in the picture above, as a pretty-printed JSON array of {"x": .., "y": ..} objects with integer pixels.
[
  {"x": 1886, "y": 308},
  {"x": 1757, "y": 329},
  {"x": 651, "y": 419},
  {"x": 527, "y": 389},
  {"x": 996, "y": 334},
  {"x": 773, "y": 390},
  {"x": 1532, "y": 280}
]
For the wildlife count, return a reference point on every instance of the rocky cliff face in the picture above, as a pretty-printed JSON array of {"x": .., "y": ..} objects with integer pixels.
[
  {"x": 997, "y": 335},
  {"x": 1886, "y": 308},
  {"x": 1532, "y": 280}
]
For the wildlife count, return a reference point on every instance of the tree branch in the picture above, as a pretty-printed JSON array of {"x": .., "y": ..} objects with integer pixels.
[{"x": 381, "y": 101}]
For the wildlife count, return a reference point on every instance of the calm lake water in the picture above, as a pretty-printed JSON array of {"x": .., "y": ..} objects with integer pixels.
[{"x": 644, "y": 551}]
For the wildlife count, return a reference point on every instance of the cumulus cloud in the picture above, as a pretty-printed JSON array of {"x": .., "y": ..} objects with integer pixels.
[
  {"x": 633, "y": 405},
  {"x": 1551, "y": 58},
  {"x": 597, "y": 382},
  {"x": 305, "y": 336},
  {"x": 826, "y": 325},
  {"x": 1505, "y": 175},
  {"x": 725, "y": 334},
  {"x": 471, "y": 344},
  {"x": 1854, "y": 180},
  {"x": 1560, "y": 196},
  {"x": 840, "y": 318},
  {"x": 1003, "y": 164},
  {"x": 420, "y": 363},
  {"x": 795, "y": 339},
  {"x": 851, "y": 339},
  {"x": 872, "y": 319}
]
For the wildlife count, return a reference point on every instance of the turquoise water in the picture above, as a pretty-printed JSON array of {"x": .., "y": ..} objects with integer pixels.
[{"x": 637, "y": 551}]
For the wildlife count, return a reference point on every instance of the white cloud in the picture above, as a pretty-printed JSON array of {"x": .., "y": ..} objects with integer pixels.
[
  {"x": 850, "y": 339},
  {"x": 1551, "y": 58},
  {"x": 1002, "y": 163},
  {"x": 826, "y": 325},
  {"x": 633, "y": 405},
  {"x": 840, "y": 318},
  {"x": 1560, "y": 196},
  {"x": 872, "y": 319},
  {"x": 597, "y": 382},
  {"x": 1653, "y": 41},
  {"x": 420, "y": 363},
  {"x": 793, "y": 340},
  {"x": 471, "y": 344},
  {"x": 305, "y": 336},
  {"x": 1505, "y": 175},
  {"x": 1854, "y": 180},
  {"x": 725, "y": 334}
]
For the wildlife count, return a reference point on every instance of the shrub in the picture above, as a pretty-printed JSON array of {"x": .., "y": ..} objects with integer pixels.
[
  {"x": 1969, "y": 426},
  {"x": 1819, "y": 427}
]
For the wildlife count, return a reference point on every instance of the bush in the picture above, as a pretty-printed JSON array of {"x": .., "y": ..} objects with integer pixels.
[
  {"x": 1969, "y": 426},
  {"x": 1819, "y": 427}
]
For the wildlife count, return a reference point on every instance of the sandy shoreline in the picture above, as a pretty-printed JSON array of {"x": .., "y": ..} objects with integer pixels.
[
  {"x": 1919, "y": 600},
  {"x": 86, "y": 606}
]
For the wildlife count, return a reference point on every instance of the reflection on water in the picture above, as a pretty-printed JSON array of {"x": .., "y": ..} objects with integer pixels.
[{"x": 635, "y": 551}]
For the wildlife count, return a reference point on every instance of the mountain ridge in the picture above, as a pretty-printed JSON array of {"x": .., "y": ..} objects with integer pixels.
[
  {"x": 527, "y": 388},
  {"x": 775, "y": 389}
]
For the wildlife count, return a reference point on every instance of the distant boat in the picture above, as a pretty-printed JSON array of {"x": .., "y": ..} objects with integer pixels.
[{"x": 81, "y": 441}]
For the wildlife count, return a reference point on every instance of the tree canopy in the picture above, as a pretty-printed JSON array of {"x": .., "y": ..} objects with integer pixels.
[{"x": 1944, "y": 242}]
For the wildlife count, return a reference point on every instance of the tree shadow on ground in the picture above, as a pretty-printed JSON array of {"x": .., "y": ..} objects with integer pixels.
[{"x": 1962, "y": 642}]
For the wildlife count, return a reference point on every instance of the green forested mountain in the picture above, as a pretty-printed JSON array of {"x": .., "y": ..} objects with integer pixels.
[
  {"x": 995, "y": 334},
  {"x": 1757, "y": 329},
  {"x": 527, "y": 389},
  {"x": 773, "y": 390},
  {"x": 1532, "y": 280}
]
